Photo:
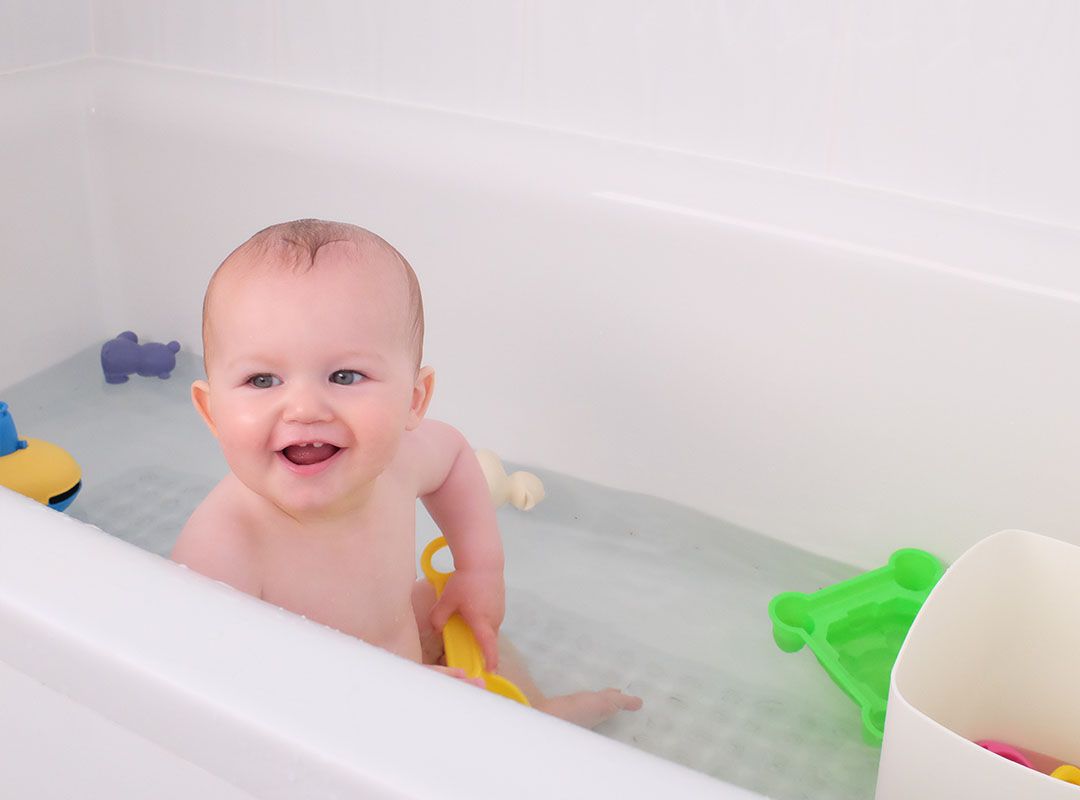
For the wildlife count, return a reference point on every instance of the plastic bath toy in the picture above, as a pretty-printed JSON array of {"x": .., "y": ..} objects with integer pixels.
[
  {"x": 462, "y": 651},
  {"x": 1040, "y": 762},
  {"x": 1005, "y": 751},
  {"x": 522, "y": 490},
  {"x": 9, "y": 437},
  {"x": 1067, "y": 773},
  {"x": 40, "y": 470},
  {"x": 856, "y": 627},
  {"x": 124, "y": 356}
]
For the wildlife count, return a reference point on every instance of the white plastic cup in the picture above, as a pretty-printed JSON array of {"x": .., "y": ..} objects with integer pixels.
[{"x": 993, "y": 654}]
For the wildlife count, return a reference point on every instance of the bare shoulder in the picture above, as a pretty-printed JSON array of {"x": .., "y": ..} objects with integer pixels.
[
  {"x": 219, "y": 541},
  {"x": 428, "y": 452}
]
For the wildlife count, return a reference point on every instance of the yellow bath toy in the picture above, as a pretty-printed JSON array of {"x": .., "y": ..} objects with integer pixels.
[
  {"x": 40, "y": 470},
  {"x": 462, "y": 651},
  {"x": 1067, "y": 773}
]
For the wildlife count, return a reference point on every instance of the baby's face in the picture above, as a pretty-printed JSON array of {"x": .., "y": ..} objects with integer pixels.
[{"x": 311, "y": 377}]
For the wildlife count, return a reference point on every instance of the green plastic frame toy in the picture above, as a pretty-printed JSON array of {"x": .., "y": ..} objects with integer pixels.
[{"x": 856, "y": 627}]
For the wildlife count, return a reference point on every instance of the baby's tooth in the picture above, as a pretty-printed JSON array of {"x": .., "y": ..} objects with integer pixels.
[{"x": 317, "y": 444}]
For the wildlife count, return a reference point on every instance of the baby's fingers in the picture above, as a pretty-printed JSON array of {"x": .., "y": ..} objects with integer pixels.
[
  {"x": 488, "y": 640},
  {"x": 483, "y": 632},
  {"x": 440, "y": 613}
]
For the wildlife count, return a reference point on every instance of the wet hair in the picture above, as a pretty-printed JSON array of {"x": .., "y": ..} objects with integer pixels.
[{"x": 293, "y": 245}]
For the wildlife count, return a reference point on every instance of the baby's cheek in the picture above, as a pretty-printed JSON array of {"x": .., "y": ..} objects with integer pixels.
[
  {"x": 239, "y": 455},
  {"x": 234, "y": 412},
  {"x": 382, "y": 435},
  {"x": 242, "y": 434}
]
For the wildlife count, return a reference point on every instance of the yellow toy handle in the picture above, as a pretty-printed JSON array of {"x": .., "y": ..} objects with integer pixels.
[{"x": 462, "y": 650}]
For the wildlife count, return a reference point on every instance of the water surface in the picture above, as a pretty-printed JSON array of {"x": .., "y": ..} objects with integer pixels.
[{"x": 604, "y": 588}]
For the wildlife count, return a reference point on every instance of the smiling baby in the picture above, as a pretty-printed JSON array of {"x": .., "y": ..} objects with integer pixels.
[{"x": 313, "y": 341}]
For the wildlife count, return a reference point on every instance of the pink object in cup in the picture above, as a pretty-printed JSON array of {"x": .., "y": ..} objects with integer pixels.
[{"x": 1005, "y": 751}]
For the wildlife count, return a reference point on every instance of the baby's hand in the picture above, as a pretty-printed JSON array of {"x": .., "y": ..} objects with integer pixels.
[
  {"x": 479, "y": 596},
  {"x": 454, "y": 672}
]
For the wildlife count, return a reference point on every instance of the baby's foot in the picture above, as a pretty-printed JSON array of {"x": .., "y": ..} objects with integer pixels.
[{"x": 589, "y": 709}]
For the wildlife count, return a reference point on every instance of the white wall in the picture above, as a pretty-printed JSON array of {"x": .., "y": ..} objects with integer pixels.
[
  {"x": 48, "y": 249},
  {"x": 973, "y": 103},
  {"x": 842, "y": 360},
  {"x": 34, "y": 32},
  {"x": 844, "y": 369},
  {"x": 48, "y": 258}
]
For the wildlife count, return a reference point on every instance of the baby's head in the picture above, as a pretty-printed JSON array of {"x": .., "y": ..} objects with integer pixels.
[
  {"x": 295, "y": 246},
  {"x": 312, "y": 339}
]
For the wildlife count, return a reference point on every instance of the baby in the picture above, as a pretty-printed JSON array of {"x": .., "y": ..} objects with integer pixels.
[{"x": 312, "y": 339}]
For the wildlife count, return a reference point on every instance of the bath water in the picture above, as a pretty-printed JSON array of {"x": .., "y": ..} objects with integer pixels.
[{"x": 604, "y": 588}]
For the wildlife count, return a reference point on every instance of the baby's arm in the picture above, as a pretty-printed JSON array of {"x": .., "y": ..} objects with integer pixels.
[
  {"x": 454, "y": 491},
  {"x": 216, "y": 543}
]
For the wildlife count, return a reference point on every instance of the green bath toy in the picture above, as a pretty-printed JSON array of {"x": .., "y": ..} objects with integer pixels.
[{"x": 856, "y": 627}]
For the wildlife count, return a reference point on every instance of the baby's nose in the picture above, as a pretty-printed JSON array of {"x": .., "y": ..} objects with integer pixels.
[{"x": 306, "y": 403}]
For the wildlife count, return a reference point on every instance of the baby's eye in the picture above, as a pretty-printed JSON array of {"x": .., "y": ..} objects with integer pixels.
[
  {"x": 346, "y": 377},
  {"x": 264, "y": 380}
]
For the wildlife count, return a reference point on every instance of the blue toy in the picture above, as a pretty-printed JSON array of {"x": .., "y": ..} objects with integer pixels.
[
  {"x": 9, "y": 438},
  {"x": 124, "y": 355}
]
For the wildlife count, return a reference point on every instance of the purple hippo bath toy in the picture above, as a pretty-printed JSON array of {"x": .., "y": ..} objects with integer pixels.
[{"x": 124, "y": 355}]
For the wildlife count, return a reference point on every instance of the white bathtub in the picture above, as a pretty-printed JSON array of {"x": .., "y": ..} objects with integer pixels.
[{"x": 846, "y": 370}]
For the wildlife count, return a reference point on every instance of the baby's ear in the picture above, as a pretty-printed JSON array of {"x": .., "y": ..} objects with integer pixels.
[
  {"x": 200, "y": 398},
  {"x": 421, "y": 396}
]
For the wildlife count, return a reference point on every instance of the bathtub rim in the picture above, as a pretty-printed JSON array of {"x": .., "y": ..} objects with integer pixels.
[{"x": 214, "y": 676}]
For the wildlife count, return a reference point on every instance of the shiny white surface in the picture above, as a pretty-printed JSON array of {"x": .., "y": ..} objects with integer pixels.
[
  {"x": 42, "y": 726},
  {"x": 36, "y": 32},
  {"x": 966, "y": 102},
  {"x": 49, "y": 265}
]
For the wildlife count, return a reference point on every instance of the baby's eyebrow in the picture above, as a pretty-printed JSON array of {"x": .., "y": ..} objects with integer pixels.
[
  {"x": 346, "y": 360},
  {"x": 362, "y": 356},
  {"x": 250, "y": 364}
]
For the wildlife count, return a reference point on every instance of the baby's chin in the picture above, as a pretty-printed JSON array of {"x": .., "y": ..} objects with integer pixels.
[
  {"x": 322, "y": 500},
  {"x": 299, "y": 499},
  {"x": 313, "y": 505}
]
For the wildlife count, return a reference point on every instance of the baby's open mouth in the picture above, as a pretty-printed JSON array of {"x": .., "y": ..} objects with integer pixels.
[{"x": 309, "y": 453}]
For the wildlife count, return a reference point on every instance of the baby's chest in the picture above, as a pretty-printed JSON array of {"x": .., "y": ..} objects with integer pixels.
[{"x": 362, "y": 587}]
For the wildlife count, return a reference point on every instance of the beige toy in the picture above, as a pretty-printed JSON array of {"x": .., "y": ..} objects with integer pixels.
[{"x": 522, "y": 489}]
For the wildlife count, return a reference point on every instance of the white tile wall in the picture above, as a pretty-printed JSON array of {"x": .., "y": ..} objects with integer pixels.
[
  {"x": 34, "y": 32},
  {"x": 237, "y": 37},
  {"x": 970, "y": 102}
]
